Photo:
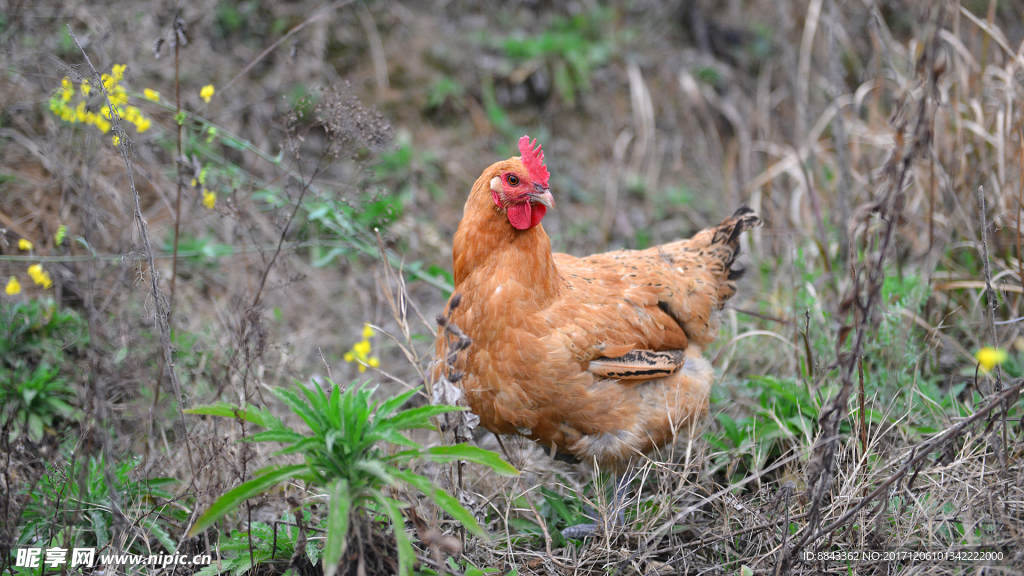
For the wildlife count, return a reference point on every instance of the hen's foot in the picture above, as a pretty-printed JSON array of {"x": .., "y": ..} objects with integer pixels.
[{"x": 581, "y": 531}]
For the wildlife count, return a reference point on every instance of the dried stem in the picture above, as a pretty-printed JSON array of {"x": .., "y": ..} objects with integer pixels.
[{"x": 160, "y": 304}]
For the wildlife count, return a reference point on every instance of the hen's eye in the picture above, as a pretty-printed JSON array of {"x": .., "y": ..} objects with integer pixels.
[{"x": 513, "y": 180}]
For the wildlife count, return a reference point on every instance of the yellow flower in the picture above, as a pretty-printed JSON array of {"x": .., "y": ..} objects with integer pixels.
[
  {"x": 80, "y": 114},
  {"x": 66, "y": 93},
  {"x": 13, "y": 286},
  {"x": 102, "y": 124},
  {"x": 209, "y": 199},
  {"x": 361, "y": 351},
  {"x": 151, "y": 94},
  {"x": 118, "y": 71},
  {"x": 142, "y": 124},
  {"x": 40, "y": 276},
  {"x": 206, "y": 93},
  {"x": 193, "y": 182},
  {"x": 118, "y": 97},
  {"x": 24, "y": 244},
  {"x": 67, "y": 89},
  {"x": 989, "y": 357},
  {"x": 362, "y": 348},
  {"x": 86, "y": 87},
  {"x": 116, "y": 139}
]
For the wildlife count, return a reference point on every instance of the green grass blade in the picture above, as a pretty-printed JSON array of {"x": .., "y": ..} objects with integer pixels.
[
  {"x": 446, "y": 501},
  {"x": 406, "y": 556},
  {"x": 225, "y": 410},
  {"x": 300, "y": 407},
  {"x": 471, "y": 454},
  {"x": 419, "y": 417},
  {"x": 391, "y": 404},
  {"x": 337, "y": 526}
]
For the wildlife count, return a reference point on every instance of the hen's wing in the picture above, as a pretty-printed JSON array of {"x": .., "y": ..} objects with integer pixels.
[{"x": 662, "y": 298}]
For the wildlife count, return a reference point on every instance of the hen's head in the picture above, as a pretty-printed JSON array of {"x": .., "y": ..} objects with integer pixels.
[{"x": 519, "y": 186}]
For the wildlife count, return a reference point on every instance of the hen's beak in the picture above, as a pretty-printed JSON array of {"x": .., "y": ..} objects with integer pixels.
[{"x": 542, "y": 196}]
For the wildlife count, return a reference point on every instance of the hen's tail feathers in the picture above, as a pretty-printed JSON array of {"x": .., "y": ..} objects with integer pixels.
[{"x": 727, "y": 234}]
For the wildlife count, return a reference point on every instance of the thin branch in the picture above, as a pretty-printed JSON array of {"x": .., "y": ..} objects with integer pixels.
[{"x": 160, "y": 310}]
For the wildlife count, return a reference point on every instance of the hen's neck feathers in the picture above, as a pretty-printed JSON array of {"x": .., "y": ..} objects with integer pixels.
[{"x": 487, "y": 245}]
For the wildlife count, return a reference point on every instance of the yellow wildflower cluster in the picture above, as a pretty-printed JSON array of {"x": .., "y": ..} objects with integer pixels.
[
  {"x": 61, "y": 103},
  {"x": 38, "y": 275},
  {"x": 361, "y": 351}
]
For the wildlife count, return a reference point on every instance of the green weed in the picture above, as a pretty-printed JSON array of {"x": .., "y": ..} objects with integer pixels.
[
  {"x": 570, "y": 48},
  {"x": 71, "y": 506},
  {"x": 262, "y": 544},
  {"x": 38, "y": 343},
  {"x": 346, "y": 458}
]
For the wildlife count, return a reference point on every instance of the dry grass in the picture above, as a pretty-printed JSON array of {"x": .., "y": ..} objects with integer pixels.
[{"x": 880, "y": 141}]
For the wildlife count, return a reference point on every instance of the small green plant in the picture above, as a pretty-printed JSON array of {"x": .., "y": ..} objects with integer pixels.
[
  {"x": 36, "y": 341},
  {"x": 346, "y": 457},
  {"x": 559, "y": 511},
  {"x": 266, "y": 543},
  {"x": 571, "y": 48},
  {"x": 446, "y": 91},
  {"x": 71, "y": 506},
  {"x": 784, "y": 417},
  {"x": 402, "y": 171}
]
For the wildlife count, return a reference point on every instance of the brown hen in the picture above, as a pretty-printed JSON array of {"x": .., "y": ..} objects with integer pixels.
[{"x": 597, "y": 357}]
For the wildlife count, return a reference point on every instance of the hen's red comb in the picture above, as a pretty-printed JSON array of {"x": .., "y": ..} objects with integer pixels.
[{"x": 533, "y": 158}]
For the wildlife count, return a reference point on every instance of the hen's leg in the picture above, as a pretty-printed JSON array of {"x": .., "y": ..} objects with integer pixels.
[{"x": 618, "y": 507}]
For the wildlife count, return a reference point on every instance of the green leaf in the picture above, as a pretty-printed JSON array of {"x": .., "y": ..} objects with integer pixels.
[
  {"x": 99, "y": 527},
  {"x": 406, "y": 556},
  {"x": 160, "y": 534},
  {"x": 282, "y": 436},
  {"x": 35, "y": 427},
  {"x": 377, "y": 469},
  {"x": 337, "y": 526},
  {"x": 391, "y": 404},
  {"x": 471, "y": 454},
  {"x": 446, "y": 501},
  {"x": 297, "y": 405},
  {"x": 557, "y": 504},
  {"x": 307, "y": 444},
  {"x": 525, "y": 526},
  {"x": 234, "y": 497},
  {"x": 420, "y": 417},
  {"x": 225, "y": 410}
]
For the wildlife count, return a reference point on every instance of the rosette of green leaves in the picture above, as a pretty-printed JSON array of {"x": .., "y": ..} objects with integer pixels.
[{"x": 345, "y": 456}]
